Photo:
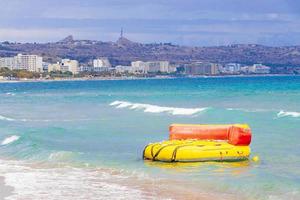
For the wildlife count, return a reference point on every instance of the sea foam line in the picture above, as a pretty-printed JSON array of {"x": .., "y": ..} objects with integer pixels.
[
  {"x": 10, "y": 94},
  {"x": 3, "y": 118},
  {"x": 10, "y": 140},
  {"x": 246, "y": 110},
  {"x": 288, "y": 114},
  {"x": 6, "y": 118},
  {"x": 148, "y": 108}
]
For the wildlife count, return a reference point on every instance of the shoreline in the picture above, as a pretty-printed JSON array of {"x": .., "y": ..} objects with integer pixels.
[
  {"x": 5, "y": 190},
  {"x": 142, "y": 78},
  {"x": 33, "y": 180}
]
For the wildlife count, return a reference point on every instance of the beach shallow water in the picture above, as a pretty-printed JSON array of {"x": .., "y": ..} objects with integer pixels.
[
  {"x": 84, "y": 139},
  {"x": 5, "y": 190}
]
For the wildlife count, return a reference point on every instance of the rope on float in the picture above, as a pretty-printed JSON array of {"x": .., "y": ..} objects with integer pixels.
[{"x": 161, "y": 148}]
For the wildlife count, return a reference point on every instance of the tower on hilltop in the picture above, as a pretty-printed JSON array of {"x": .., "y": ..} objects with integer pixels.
[
  {"x": 121, "y": 35},
  {"x": 122, "y": 40}
]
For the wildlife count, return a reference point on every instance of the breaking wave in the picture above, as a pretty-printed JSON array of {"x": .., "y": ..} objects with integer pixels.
[
  {"x": 288, "y": 114},
  {"x": 10, "y": 140},
  {"x": 6, "y": 118},
  {"x": 148, "y": 108}
]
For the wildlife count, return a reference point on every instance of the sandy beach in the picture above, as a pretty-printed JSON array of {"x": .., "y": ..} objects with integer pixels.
[{"x": 5, "y": 190}]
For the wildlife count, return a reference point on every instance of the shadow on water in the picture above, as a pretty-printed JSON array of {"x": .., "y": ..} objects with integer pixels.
[{"x": 234, "y": 168}]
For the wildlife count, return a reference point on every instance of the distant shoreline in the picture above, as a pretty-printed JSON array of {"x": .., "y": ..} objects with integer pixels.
[{"x": 140, "y": 78}]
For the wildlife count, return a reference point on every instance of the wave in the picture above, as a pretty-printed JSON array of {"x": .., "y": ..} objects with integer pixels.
[
  {"x": 61, "y": 156},
  {"x": 148, "y": 108},
  {"x": 3, "y": 118},
  {"x": 33, "y": 180},
  {"x": 6, "y": 118},
  {"x": 246, "y": 110},
  {"x": 10, "y": 94},
  {"x": 10, "y": 140},
  {"x": 77, "y": 182},
  {"x": 288, "y": 114}
]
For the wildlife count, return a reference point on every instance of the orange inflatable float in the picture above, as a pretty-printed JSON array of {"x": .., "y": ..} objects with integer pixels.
[{"x": 235, "y": 134}]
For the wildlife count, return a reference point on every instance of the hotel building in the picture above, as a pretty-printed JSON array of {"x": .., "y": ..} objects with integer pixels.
[
  {"x": 31, "y": 63},
  {"x": 201, "y": 68}
]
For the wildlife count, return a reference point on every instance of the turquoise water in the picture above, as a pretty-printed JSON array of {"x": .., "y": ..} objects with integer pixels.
[{"x": 81, "y": 129}]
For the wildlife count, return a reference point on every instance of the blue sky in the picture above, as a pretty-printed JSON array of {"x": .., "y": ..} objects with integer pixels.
[{"x": 184, "y": 22}]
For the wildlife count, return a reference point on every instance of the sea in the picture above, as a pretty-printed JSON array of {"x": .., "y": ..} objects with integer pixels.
[{"x": 85, "y": 139}]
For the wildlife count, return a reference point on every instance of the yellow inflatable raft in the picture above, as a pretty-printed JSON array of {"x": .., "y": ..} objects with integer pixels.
[{"x": 194, "y": 151}]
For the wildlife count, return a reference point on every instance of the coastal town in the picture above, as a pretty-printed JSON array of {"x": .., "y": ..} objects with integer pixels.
[
  {"x": 102, "y": 67},
  {"x": 25, "y": 65}
]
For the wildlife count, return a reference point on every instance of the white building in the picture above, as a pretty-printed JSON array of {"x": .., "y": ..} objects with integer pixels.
[
  {"x": 201, "y": 68},
  {"x": 124, "y": 69},
  {"x": 31, "y": 63},
  {"x": 152, "y": 67},
  {"x": 69, "y": 65},
  {"x": 8, "y": 62},
  {"x": 66, "y": 65},
  {"x": 101, "y": 65},
  {"x": 102, "y": 69},
  {"x": 231, "y": 68},
  {"x": 160, "y": 66},
  {"x": 259, "y": 69},
  {"x": 138, "y": 64},
  {"x": 85, "y": 68},
  {"x": 101, "y": 62},
  {"x": 139, "y": 67},
  {"x": 54, "y": 67}
]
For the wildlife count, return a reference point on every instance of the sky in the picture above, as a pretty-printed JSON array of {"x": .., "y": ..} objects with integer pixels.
[{"x": 183, "y": 22}]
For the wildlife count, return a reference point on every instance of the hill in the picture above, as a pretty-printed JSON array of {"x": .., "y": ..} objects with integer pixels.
[{"x": 123, "y": 51}]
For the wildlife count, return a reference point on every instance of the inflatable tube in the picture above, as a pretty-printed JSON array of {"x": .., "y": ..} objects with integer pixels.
[
  {"x": 195, "y": 151},
  {"x": 235, "y": 134}
]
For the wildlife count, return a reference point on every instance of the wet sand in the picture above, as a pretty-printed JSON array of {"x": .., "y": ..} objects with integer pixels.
[{"x": 5, "y": 190}]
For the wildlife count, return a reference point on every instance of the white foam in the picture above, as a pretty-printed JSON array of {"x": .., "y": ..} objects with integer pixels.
[
  {"x": 246, "y": 110},
  {"x": 74, "y": 183},
  {"x": 12, "y": 119},
  {"x": 3, "y": 118},
  {"x": 288, "y": 114},
  {"x": 148, "y": 108},
  {"x": 51, "y": 182},
  {"x": 10, "y": 94},
  {"x": 6, "y": 118},
  {"x": 10, "y": 139},
  {"x": 61, "y": 156}
]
